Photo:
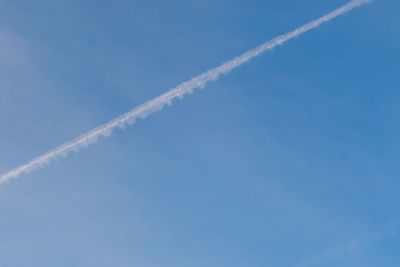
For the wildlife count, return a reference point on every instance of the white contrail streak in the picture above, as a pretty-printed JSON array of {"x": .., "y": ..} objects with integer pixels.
[{"x": 158, "y": 103}]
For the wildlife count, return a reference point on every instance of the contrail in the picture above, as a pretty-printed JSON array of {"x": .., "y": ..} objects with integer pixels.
[{"x": 158, "y": 103}]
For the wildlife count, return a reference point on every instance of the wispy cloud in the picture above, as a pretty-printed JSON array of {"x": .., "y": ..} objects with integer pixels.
[
  {"x": 352, "y": 246},
  {"x": 158, "y": 103}
]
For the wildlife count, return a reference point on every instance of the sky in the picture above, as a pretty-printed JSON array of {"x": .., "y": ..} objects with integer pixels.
[{"x": 290, "y": 160}]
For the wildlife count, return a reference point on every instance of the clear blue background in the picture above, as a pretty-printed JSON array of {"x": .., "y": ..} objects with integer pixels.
[{"x": 291, "y": 160}]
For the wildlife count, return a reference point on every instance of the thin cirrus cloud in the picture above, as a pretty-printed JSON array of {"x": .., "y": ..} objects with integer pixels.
[
  {"x": 159, "y": 102},
  {"x": 350, "y": 247}
]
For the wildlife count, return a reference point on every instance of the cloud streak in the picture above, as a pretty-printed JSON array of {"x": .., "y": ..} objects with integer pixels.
[
  {"x": 346, "y": 249},
  {"x": 158, "y": 103}
]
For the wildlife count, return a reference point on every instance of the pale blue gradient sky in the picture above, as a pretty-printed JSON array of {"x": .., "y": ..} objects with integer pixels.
[{"x": 277, "y": 164}]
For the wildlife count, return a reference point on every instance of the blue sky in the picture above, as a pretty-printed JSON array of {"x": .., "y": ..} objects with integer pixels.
[{"x": 290, "y": 160}]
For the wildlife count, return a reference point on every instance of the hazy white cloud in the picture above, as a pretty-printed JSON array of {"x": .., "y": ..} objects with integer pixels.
[{"x": 352, "y": 246}]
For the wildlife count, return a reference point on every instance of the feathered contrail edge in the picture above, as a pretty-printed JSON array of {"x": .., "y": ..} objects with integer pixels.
[{"x": 158, "y": 103}]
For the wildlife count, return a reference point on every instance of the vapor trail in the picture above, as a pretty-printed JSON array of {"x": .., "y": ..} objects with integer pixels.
[{"x": 158, "y": 103}]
